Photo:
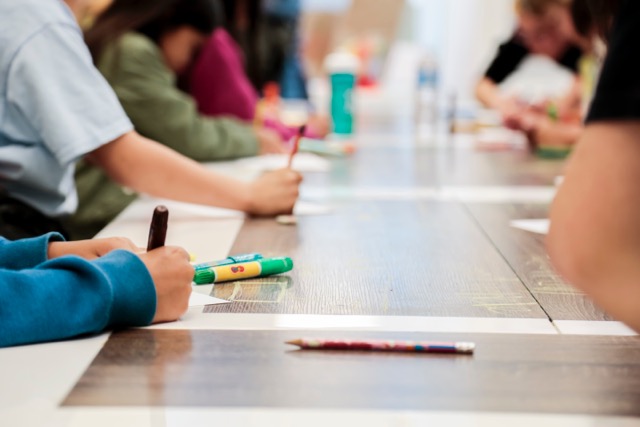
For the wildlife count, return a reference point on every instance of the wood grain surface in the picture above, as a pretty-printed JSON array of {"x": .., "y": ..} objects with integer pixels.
[
  {"x": 526, "y": 254},
  {"x": 411, "y": 258},
  {"x": 508, "y": 373}
]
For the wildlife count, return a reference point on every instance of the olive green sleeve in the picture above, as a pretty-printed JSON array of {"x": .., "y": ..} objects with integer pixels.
[{"x": 148, "y": 92}]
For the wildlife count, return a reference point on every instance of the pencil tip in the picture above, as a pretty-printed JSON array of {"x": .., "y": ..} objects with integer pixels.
[{"x": 294, "y": 342}]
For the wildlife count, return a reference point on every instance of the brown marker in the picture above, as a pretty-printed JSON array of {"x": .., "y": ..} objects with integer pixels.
[{"x": 158, "y": 228}]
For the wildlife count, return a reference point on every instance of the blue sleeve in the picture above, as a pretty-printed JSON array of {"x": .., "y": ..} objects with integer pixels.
[
  {"x": 26, "y": 253},
  {"x": 55, "y": 90},
  {"x": 69, "y": 296}
]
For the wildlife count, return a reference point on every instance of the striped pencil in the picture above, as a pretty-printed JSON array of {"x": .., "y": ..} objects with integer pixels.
[{"x": 397, "y": 346}]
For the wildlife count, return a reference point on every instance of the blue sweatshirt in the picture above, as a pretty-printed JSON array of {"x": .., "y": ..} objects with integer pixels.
[{"x": 46, "y": 300}]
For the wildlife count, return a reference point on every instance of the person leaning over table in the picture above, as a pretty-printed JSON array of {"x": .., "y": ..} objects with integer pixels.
[
  {"x": 143, "y": 49},
  {"x": 56, "y": 108},
  {"x": 545, "y": 27},
  {"x": 594, "y": 240}
]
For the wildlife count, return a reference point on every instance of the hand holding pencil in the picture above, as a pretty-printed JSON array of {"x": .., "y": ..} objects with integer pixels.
[
  {"x": 296, "y": 145},
  {"x": 170, "y": 270}
]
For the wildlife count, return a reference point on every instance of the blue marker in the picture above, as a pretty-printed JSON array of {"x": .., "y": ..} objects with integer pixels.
[{"x": 236, "y": 259}]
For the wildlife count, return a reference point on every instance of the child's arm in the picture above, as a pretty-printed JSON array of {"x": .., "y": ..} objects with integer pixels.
[
  {"x": 594, "y": 239},
  {"x": 148, "y": 167},
  {"x": 147, "y": 90},
  {"x": 91, "y": 249},
  {"x": 69, "y": 296}
]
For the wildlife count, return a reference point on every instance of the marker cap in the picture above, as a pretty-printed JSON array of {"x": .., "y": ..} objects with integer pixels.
[
  {"x": 204, "y": 276},
  {"x": 275, "y": 266}
]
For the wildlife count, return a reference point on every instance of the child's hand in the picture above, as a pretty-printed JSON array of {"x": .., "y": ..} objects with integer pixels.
[
  {"x": 270, "y": 142},
  {"x": 172, "y": 276},
  {"x": 91, "y": 249},
  {"x": 274, "y": 193}
]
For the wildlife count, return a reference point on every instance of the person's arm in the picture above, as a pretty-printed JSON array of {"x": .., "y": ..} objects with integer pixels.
[
  {"x": 26, "y": 253},
  {"x": 509, "y": 56},
  {"x": 69, "y": 296},
  {"x": 488, "y": 93},
  {"x": 160, "y": 111},
  {"x": 594, "y": 239},
  {"x": 148, "y": 167}
]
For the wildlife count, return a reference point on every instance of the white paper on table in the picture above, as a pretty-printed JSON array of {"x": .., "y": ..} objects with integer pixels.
[
  {"x": 302, "y": 162},
  {"x": 303, "y": 208},
  {"x": 142, "y": 210},
  {"x": 197, "y": 299},
  {"x": 538, "y": 226}
]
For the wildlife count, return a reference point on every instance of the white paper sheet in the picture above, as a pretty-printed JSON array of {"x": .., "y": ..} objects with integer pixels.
[
  {"x": 302, "y": 162},
  {"x": 197, "y": 299},
  {"x": 303, "y": 208},
  {"x": 538, "y": 226},
  {"x": 142, "y": 210}
]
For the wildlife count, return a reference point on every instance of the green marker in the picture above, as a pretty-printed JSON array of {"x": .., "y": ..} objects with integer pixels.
[
  {"x": 247, "y": 270},
  {"x": 235, "y": 259}
]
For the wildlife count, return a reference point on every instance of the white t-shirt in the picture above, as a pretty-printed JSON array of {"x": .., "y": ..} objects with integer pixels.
[{"x": 55, "y": 107}]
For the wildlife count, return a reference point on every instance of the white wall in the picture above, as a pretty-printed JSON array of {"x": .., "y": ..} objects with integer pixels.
[{"x": 464, "y": 35}]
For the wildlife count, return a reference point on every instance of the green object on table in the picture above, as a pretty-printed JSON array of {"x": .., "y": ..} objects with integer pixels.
[{"x": 553, "y": 152}]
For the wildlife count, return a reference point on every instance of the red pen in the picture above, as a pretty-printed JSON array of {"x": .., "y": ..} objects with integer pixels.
[{"x": 296, "y": 144}]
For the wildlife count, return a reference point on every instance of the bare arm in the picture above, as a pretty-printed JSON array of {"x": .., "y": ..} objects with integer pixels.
[
  {"x": 149, "y": 167},
  {"x": 488, "y": 94},
  {"x": 594, "y": 239}
]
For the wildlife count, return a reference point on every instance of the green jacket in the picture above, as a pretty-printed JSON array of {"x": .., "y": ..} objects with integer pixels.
[{"x": 147, "y": 89}]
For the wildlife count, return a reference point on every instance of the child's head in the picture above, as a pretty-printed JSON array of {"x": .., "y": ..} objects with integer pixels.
[
  {"x": 178, "y": 27},
  {"x": 545, "y": 26}
]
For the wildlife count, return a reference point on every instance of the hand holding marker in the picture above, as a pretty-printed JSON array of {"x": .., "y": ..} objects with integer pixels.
[{"x": 158, "y": 228}]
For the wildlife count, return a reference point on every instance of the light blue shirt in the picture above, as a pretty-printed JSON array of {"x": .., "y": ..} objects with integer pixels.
[{"x": 55, "y": 107}]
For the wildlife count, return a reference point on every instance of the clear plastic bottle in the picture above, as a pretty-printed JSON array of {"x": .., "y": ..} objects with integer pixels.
[{"x": 427, "y": 91}]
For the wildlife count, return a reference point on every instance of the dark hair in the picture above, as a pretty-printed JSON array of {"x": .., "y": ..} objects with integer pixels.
[
  {"x": 249, "y": 36},
  {"x": 602, "y": 13},
  {"x": 539, "y": 7},
  {"x": 152, "y": 18},
  {"x": 582, "y": 18}
]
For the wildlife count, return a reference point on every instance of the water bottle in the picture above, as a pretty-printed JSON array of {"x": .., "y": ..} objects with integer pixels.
[{"x": 342, "y": 68}]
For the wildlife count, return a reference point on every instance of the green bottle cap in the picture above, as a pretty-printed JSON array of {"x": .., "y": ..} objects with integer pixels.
[
  {"x": 275, "y": 266},
  {"x": 204, "y": 276}
]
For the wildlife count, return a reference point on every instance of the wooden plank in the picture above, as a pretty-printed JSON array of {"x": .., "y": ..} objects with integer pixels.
[
  {"x": 509, "y": 373},
  {"x": 526, "y": 253},
  {"x": 380, "y": 258}
]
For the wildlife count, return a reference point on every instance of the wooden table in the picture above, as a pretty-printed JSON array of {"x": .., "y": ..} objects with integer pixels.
[{"x": 418, "y": 246}]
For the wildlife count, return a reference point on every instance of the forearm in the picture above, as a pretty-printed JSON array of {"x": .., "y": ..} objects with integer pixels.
[
  {"x": 26, "y": 253},
  {"x": 594, "y": 239},
  {"x": 148, "y": 167},
  {"x": 488, "y": 94},
  {"x": 211, "y": 139},
  {"x": 200, "y": 138},
  {"x": 69, "y": 296}
]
